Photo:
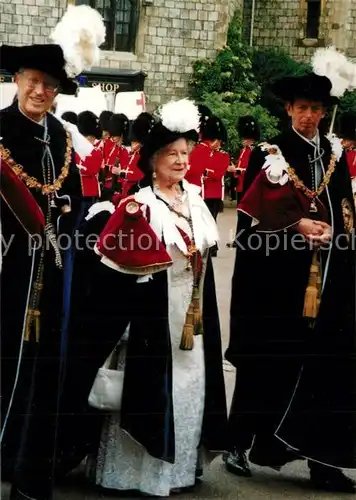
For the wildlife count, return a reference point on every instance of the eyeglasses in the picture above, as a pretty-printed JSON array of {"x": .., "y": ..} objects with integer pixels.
[{"x": 49, "y": 86}]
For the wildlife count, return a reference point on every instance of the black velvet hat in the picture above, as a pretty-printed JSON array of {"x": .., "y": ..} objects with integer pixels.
[
  {"x": 104, "y": 119},
  {"x": 118, "y": 125},
  {"x": 141, "y": 127},
  {"x": 70, "y": 116},
  {"x": 88, "y": 124},
  {"x": 46, "y": 58},
  {"x": 214, "y": 129},
  {"x": 346, "y": 127},
  {"x": 311, "y": 87},
  {"x": 176, "y": 120}
]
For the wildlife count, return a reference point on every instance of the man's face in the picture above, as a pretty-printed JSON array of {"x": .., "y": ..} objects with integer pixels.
[
  {"x": 306, "y": 116},
  {"x": 348, "y": 143},
  {"x": 36, "y": 92}
]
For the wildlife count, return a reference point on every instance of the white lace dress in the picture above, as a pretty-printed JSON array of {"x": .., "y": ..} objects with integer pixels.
[{"x": 122, "y": 463}]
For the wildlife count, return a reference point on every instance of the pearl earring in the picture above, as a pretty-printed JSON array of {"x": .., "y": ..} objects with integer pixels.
[{"x": 154, "y": 176}]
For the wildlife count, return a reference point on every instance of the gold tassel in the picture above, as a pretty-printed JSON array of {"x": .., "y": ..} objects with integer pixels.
[
  {"x": 313, "y": 291},
  {"x": 187, "y": 340},
  {"x": 196, "y": 305},
  {"x": 33, "y": 315}
]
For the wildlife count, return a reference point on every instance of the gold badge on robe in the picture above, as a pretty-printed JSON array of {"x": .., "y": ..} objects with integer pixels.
[{"x": 348, "y": 216}]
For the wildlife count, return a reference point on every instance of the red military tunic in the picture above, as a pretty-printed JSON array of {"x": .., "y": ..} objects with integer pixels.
[
  {"x": 89, "y": 169},
  {"x": 241, "y": 166},
  {"x": 214, "y": 179},
  {"x": 133, "y": 173},
  {"x": 198, "y": 161},
  {"x": 351, "y": 161},
  {"x": 114, "y": 155}
]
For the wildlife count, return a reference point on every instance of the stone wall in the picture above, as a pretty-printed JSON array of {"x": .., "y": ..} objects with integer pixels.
[
  {"x": 172, "y": 34},
  {"x": 24, "y": 22},
  {"x": 281, "y": 23}
]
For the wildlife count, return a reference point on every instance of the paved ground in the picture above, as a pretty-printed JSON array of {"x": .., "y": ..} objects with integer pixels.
[{"x": 289, "y": 484}]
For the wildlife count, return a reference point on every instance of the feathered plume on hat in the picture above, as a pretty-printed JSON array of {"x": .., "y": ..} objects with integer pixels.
[
  {"x": 180, "y": 116},
  {"x": 337, "y": 67},
  {"x": 340, "y": 71},
  {"x": 80, "y": 33},
  {"x": 175, "y": 120}
]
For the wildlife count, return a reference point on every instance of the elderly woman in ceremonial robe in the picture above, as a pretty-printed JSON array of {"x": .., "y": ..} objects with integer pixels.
[{"x": 173, "y": 407}]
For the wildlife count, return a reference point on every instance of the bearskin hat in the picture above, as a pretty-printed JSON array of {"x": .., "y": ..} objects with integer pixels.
[
  {"x": 88, "y": 124},
  {"x": 214, "y": 129},
  {"x": 141, "y": 127},
  {"x": 205, "y": 114},
  {"x": 346, "y": 127},
  {"x": 104, "y": 119},
  {"x": 118, "y": 125},
  {"x": 70, "y": 116},
  {"x": 248, "y": 128}
]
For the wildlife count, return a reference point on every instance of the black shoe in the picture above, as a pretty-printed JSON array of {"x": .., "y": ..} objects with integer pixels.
[
  {"x": 236, "y": 462},
  {"x": 273, "y": 460},
  {"x": 330, "y": 479}
]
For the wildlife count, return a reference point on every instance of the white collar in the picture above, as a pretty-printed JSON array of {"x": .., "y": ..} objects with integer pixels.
[
  {"x": 98, "y": 207},
  {"x": 162, "y": 222}
]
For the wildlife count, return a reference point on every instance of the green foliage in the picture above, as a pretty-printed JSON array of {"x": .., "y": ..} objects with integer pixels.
[
  {"x": 229, "y": 74},
  {"x": 231, "y": 112},
  {"x": 348, "y": 102},
  {"x": 238, "y": 81},
  {"x": 270, "y": 65}
]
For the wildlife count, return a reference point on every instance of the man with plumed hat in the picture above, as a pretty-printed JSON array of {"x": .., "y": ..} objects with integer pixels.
[
  {"x": 292, "y": 328},
  {"x": 116, "y": 156},
  {"x": 38, "y": 161},
  {"x": 213, "y": 137}
]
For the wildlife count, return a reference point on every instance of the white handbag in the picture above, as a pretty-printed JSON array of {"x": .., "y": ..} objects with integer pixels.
[{"x": 106, "y": 393}]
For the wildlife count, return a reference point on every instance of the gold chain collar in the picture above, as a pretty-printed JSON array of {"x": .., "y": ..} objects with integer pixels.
[
  {"x": 299, "y": 184},
  {"x": 32, "y": 182}
]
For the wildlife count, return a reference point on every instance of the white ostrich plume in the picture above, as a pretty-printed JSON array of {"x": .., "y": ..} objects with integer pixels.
[
  {"x": 80, "y": 33},
  {"x": 180, "y": 116},
  {"x": 337, "y": 67}
]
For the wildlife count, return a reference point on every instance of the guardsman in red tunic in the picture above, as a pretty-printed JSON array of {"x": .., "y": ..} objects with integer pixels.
[
  {"x": 139, "y": 131},
  {"x": 347, "y": 132},
  {"x": 214, "y": 135},
  {"x": 116, "y": 156},
  {"x": 89, "y": 168},
  {"x": 200, "y": 154},
  {"x": 249, "y": 131},
  {"x": 104, "y": 120}
]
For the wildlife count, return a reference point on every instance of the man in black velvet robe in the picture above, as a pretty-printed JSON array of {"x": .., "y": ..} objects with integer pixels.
[
  {"x": 40, "y": 155},
  {"x": 296, "y": 380}
]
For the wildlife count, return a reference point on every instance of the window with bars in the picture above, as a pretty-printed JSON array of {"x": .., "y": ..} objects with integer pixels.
[
  {"x": 121, "y": 19},
  {"x": 313, "y": 18}
]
